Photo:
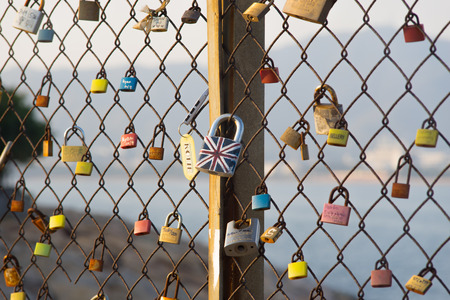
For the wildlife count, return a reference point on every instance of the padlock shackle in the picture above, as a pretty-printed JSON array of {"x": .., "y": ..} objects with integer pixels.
[
  {"x": 177, "y": 216},
  {"x": 32, "y": 211},
  {"x": 12, "y": 259},
  {"x": 237, "y": 121},
  {"x": 382, "y": 263},
  {"x": 20, "y": 183},
  {"x": 431, "y": 123},
  {"x": 424, "y": 272},
  {"x": 41, "y": 6},
  {"x": 160, "y": 128},
  {"x": 342, "y": 191},
  {"x": 409, "y": 18},
  {"x": 72, "y": 128},
  {"x": 166, "y": 286},
  {"x": 320, "y": 91},
  {"x": 408, "y": 160}
]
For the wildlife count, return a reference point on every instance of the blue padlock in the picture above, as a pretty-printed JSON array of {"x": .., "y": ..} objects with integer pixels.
[
  {"x": 45, "y": 35},
  {"x": 128, "y": 84},
  {"x": 261, "y": 202}
]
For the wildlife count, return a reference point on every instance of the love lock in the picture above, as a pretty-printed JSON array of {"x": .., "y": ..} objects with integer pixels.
[
  {"x": 73, "y": 153},
  {"x": 28, "y": 19},
  {"x": 315, "y": 11},
  {"x": 401, "y": 190},
  {"x": 336, "y": 214},
  {"x": 257, "y": 11}
]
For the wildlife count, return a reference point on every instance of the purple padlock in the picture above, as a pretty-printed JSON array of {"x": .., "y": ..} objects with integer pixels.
[{"x": 336, "y": 214}]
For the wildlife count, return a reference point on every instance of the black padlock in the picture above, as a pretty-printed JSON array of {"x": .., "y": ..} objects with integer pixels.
[{"x": 191, "y": 15}]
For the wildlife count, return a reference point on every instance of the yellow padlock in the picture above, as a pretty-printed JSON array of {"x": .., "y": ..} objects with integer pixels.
[
  {"x": 427, "y": 137},
  {"x": 73, "y": 153},
  {"x": 84, "y": 168},
  {"x": 297, "y": 270},
  {"x": 18, "y": 296},
  {"x": 337, "y": 136},
  {"x": 418, "y": 284},
  {"x": 57, "y": 222},
  {"x": 12, "y": 274},
  {"x": 99, "y": 85}
]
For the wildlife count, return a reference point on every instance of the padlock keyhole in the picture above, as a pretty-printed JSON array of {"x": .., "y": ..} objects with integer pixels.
[{"x": 241, "y": 248}]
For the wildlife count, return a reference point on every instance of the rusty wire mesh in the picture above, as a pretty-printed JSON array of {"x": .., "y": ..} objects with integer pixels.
[{"x": 387, "y": 89}]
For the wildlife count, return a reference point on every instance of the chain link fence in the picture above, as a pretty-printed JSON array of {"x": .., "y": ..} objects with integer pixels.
[{"x": 388, "y": 90}]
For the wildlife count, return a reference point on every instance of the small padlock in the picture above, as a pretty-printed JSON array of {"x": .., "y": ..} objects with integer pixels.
[
  {"x": 336, "y": 214},
  {"x": 310, "y": 10},
  {"x": 219, "y": 155},
  {"x": 379, "y": 277},
  {"x": 142, "y": 227},
  {"x": 188, "y": 157},
  {"x": 160, "y": 24},
  {"x": 157, "y": 153},
  {"x": 269, "y": 73},
  {"x": 242, "y": 237},
  {"x": 128, "y": 84},
  {"x": 43, "y": 100},
  {"x": 426, "y": 137},
  {"x": 73, "y": 153},
  {"x": 89, "y": 10},
  {"x": 84, "y": 167},
  {"x": 47, "y": 144},
  {"x": 17, "y": 204},
  {"x": 42, "y": 249},
  {"x": 191, "y": 15},
  {"x": 166, "y": 286},
  {"x": 297, "y": 270},
  {"x": 272, "y": 234},
  {"x": 11, "y": 274},
  {"x": 256, "y": 11},
  {"x": 28, "y": 19},
  {"x": 414, "y": 32},
  {"x": 18, "y": 296},
  {"x": 401, "y": 190},
  {"x": 418, "y": 284},
  {"x": 39, "y": 220},
  {"x": 97, "y": 264},
  {"x": 99, "y": 85},
  {"x": 128, "y": 140},
  {"x": 326, "y": 115},
  {"x": 57, "y": 222},
  {"x": 291, "y": 137},
  {"x": 169, "y": 234},
  {"x": 261, "y": 202},
  {"x": 337, "y": 136},
  {"x": 304, "y": 152},
  {"x": 45, "y": 35}
]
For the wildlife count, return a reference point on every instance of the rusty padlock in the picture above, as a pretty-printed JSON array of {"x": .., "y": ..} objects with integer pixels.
[
  {"x": 17, "y": 204},
  {"x": 11, "y": 274},
  {"x": 427, "y": 137},
  {"x": 39, "y": 220},
  {"x": 43, "y": 100},
  {"x": 326, "y": 116},
  {"x": 157, "y": 153},
  {"x": 97, "y": 264},
  {"x": 414, "y": 32},
  {"x": 310, "y": 10},
  {"x": 338, "y": 136},
  {"x": 47, "y": 144},
  {"x": 379, "y": 277},
  {"x": 256, "y": 11},
  {"x": 336, "y": 214},
  {"x": 28, "y": 19},
  {"x": 166, "y": 286},
  {"x": 88, "y": 10},
  {"x": 73, "y": 153},
  {"x": 269, "y": 73},
  {"x": 420, "y": 285},
  {"x": 401, "y": 190},
  {"x": 191, "y": 15}
]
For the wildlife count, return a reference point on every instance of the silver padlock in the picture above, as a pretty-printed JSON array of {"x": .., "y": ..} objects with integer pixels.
[
  {"x": 191, "y": 15},
  {"x": 28, "y": 19},
  {"x": 242, "y": 237},
  {"x": 160, "y": 24},
  {"x": 256, "y": 11}
]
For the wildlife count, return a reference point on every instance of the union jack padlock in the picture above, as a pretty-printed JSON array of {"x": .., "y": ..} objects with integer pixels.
[
  {"x": 28, "y": 19},
  {"x": 219, "y": 155}
]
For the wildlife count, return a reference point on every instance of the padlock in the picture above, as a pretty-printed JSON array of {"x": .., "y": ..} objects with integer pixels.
[
  {"x": 336, "y": 214},
  {"x": 5, "y": 154},
  {"x": 292, "y": 137},
  {"x": 17, "y": 204},
  {"x": 256, "y": 11},
  {"x": 418, "y": 284},
  {"x": 160, "y": 24},
  {"x": 381, "y": 277},
  {"x": 272, "y": 233},
  {"x": 39, "y": 220},
  {"x": 18, "y": 296},
  {"x": 43, "y": 100},
  {"x": 242, "y": 237},
  {"x": 84, "y": 167},
  {"x": 128, "y": 140},
  {"x": 166, "y": 286},
  {"x": 269, "y": 73},
  {"x": 304, "y": 152},
  {"x": 142, "y": 227},
  {"x": 89, "y": 10},
  {"x": 45, "y": 35},
  {"x": 57, "y": 222},
  {"x": 73, "y": 153},
  {"x": 315, "y": 11},
  {"x": 169, "y": 234},
  {"x": 42, "y": 249},
  {"x": 191, "y": 15},
  {"x": 47, "y": 144},
  {"x": 426, "y": 137},
  {"x": 414, "y": 32},
  {"x": 219, "y": 155},
  {"x": 297, "y": 270},
  {"x": 28, "y": 19},
  {"x": 326, "y": 115},
  {"x": 97, "y": 264},
  {"x": 157, "y": 153},
  {"x": 337, "y": 136},
  {"x": 261, "y": 202},
  {"x": 128, "y": 84},
  {"x": 11, "y": 274},
  {"x": 188, "y": 157},
  {"x": 401, "y": 190},
  {"x": 99, "y": 85}
]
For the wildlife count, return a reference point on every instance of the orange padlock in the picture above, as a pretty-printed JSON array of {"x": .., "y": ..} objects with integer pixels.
[
  {"x": 12, "y": 274},
  {"x": 157, "y": 153},
  {"x": 97, "y": 264},
  {"x": 17, "y": 204},
  {"x": 168, "y": 282},
  {"x": 43, "y": 100},
  {"x": 39, "y": 220}
]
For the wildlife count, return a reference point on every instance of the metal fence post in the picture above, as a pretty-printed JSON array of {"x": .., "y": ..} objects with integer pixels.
[{"x": 235, "y": 278}]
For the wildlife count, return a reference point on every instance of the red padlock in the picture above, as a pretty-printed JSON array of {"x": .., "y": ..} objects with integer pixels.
[
  {"x": 269, "y": 73},
  {"x": 336, "y": 214},
  {"x": 128, "y": 140},
  {"x": 142, "y": 227},
  {"x": 381, "y": 277},
  {"x": 414, "y": 32}
]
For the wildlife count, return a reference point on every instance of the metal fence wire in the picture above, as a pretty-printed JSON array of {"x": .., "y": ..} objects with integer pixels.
[{"x": 377, "y": 201}]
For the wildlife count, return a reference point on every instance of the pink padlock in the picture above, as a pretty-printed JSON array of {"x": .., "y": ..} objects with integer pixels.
[
  {"x": 414, "y": 32},
  {"x": 336, "y": 214},
  {"x": 128, "y": 140},
  {"x": 381, "y": 277},
  {"x": 142, "y": 227}
]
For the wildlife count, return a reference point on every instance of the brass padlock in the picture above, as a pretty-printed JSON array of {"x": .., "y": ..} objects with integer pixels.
[
  {"x": 381, "y": 278},
  {"x": 256, "y": 11},
  {"x": 97, "y": 264},
  {"x": 326, "y": 115},
  {"x": 11, "y": 274},
  {"x": 337, "y": 136},
  {"x": 169, "y": 234},
  {"x": 291, "y": 137},
  {"x": 47, "y": 144},
  {"x": 17, "y": 204},
  {"x": 89, "y": 10},
  {"x": 272, "y": 233},
  {"x": 401, "y": 190},
  {"x": 166, "y": 286},
  {"x": 304, "y": 152},
  {"x": 28, "y": 19},
  {"x": 73, "y": 153},
  {"x": 100, "y": 297},
  {"x": 418, "y": 284},
  {"x": 191, "y": 15},
  {"x": 427, "y": 137},
  {"x": 157, "y": 153},
  {"x": 310, "y": 10}
]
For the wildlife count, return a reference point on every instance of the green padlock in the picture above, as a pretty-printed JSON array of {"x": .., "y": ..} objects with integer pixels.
[
  {"x": 337, "y": 136},
  {"x": 42, "y": 249}
]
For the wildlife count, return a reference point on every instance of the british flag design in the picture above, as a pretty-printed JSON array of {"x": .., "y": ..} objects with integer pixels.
[{"x": 218, "y": 156}]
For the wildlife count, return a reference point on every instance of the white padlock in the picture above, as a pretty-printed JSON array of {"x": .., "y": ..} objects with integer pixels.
[
  {"x": 160, "y": 24},
  {"x": 28, "y": 19}
]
